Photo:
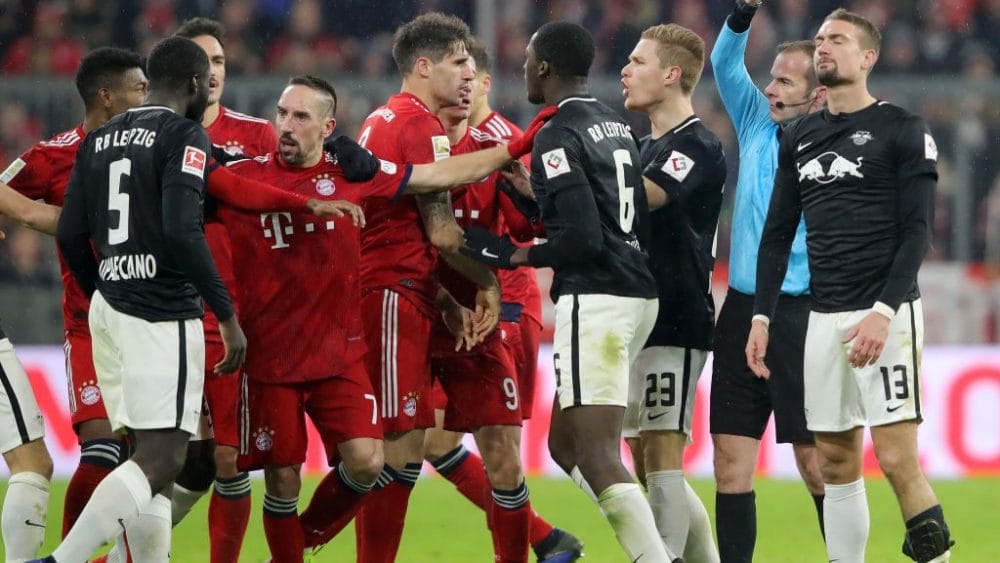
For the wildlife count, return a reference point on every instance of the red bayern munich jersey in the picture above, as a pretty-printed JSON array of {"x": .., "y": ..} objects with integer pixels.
[
  {"x": 518, "y": 285},
  {"x": 299, "y": 292},
  {"x": 480, "y": 204},
  {"x": 237, "y": 133},
  {"x": 42, "y": 173},
  {"x": 396, "y": 252}
]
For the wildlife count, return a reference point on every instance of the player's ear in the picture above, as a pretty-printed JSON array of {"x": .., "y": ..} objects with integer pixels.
[
  {"x": 870, "y": 56},
  {"x": 672, "y": 75},
  {"x": 329, "y": 126},
  {"x": 422, "y": 67},
  {"x": 544, "y": 69},
  {"x": 819, "y": 96},
  {"x": 104, "y": 95},
  {"x": 487, "y": 83}
]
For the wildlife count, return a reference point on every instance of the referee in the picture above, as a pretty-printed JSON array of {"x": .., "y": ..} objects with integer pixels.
[{"x": 741, "y": 404}]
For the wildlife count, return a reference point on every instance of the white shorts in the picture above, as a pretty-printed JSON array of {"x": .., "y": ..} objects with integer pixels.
[
  {"x": 20, "y": 420},
  {"x": 839, "y": 397},
  {"x": 150, "y": 373},
  {"x": 597, "y": 338},
  {"x": 663, "y": 389}
]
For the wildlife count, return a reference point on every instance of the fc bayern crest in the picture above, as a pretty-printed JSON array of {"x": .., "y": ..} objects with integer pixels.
[
  {"x": 410, "y": 404},
  {"x": 263, "y": 439},
  {"x": 325, "y": 185},
  {"x": 90, "y": 393}
]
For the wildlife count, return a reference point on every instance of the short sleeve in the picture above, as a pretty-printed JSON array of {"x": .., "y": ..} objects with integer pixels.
[
  {"x": 917, "y": 151},
  {"x": 557, "y": 159},
  {"x": 28, "y": 174},
  {"x": 187, "y": 156},
  {"x": 680, "y": 169},
  {"x": 389, "y": 183},
  {"x": 422, "y": 140}
]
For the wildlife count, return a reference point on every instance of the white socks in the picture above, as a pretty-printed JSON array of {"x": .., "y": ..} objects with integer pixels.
[
  {"x": 700, "y": 543},
  {"x": 577, "y": 477},
  {"x": 24, "y": 510},
  {"x": 669, "y": 503},
  {"x": 149, "y": 534},
  {"x": 626, "y": 509},
  {"x": 845, "y": 514},
  {"x": 116, "y": 500},
  {"x": 182, "y": 501}
]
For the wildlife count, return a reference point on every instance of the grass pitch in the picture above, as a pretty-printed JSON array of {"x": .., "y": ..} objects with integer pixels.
[{"x": 442, "y": 527}]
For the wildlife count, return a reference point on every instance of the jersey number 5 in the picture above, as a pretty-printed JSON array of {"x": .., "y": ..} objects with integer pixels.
[
  {"x": 118, "y": 201},
  {"x": 626, "y": 193}
]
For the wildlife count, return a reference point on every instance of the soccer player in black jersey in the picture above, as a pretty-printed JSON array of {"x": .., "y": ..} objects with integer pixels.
[
  {"x": 862, "y": 173},
  {"x": 586, "y": 178},
  {"x": 684, "y": 173},
  {"x": 136, "y": 195}
]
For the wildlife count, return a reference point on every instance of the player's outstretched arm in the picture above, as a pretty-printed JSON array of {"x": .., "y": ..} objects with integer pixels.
[
  {"x": 744, "y": 103},
  {"x": 467, "y": 168},
  {"x": 35, "y": 215}
]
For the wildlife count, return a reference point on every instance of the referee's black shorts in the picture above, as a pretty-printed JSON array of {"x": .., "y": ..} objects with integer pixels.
[{"x": 741, "y": 403}]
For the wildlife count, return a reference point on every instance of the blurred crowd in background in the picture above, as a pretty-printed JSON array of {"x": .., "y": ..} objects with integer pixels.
[{"x": 926, "y": 42}]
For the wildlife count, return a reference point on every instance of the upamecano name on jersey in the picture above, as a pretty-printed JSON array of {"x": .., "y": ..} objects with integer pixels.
[
  {"x": 136, "y": 136},
  {"x": 608, "y": 130},
  {"x": 128, "y": 267}
]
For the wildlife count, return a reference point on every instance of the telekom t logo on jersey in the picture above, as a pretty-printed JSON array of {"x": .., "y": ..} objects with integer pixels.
[
  {"x": 280, "y": 227},
  {"x": 277, "y": 226}
]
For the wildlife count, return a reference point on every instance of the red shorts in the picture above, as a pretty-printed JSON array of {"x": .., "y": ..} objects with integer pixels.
[
  {"x": 273, "y": 426},
  {"x": 521, "y": 339},
  {"x": 398, "y": 337},
  {"x": 85, "y": 399},
  {"x": 480, "y": 386},
  {"x": 222, "y": 393}
]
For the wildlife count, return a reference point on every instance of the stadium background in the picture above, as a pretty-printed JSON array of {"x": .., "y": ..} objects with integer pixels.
[{"x": 939, "y": 58}]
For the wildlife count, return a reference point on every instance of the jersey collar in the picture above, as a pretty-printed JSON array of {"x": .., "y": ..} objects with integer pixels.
[{"x": 587, "y": 99}]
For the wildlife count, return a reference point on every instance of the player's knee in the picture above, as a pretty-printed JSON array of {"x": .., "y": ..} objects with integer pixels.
[
  {"x": 732, "y": 474},
  {"x": 561, "y": 453},
  {"x": 896, "y": 462},
  {"x": 198, "y": 470},
  {"x": 365, "y": 467},
  {"x": 282, "y": 482},
  {"x": 225, "y": 461}
]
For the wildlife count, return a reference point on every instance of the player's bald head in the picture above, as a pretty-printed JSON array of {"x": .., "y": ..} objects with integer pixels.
[{"x": 326, "y": 98}]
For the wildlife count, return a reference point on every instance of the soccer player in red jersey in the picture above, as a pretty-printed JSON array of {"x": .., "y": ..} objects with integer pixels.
[
  {"x": 504, "y": 369},
  {"x": 310, "y": 304},
  {"x": 109, "y": 81},
  {"x": 229, "y": 509},
  {"x": 399, "y": 289}
]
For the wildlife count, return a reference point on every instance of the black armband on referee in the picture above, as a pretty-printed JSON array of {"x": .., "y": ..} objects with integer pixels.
[{"x": 739, "y": 20}]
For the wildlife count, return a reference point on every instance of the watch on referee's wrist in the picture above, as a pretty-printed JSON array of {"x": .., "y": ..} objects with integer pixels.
[{"x": 762, "y": 318}]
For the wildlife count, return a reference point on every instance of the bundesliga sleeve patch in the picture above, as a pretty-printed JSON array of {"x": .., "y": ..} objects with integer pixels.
[
  {"x": 678, "y": 166},
  {"x": 387, "y": 167},
  {"x": 12, "y": 170},
  {"x": 556, "y": 163},
  {"x": 441, "y": 146},
  {"x": 194, "y": 162},
  {"x": 930, "y": 148}
]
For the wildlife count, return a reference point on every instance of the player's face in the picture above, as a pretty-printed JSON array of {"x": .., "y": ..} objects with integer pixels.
[
  {"x": 789, "y": 85},
  {"x": 217, "y": 64},
  {"x": 304, "y": 118},
  {"x": 643, "y": 78},
  {"x": 532, "y": 80},
  {"x": 840, "y": 59},
  {"x": 452, "y": 76},
  {"x": 199, "y": 98},
  {"x": 130, "y": 91}
]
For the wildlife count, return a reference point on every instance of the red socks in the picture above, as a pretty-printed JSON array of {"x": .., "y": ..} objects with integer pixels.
[{"x": 228, "y": 515}]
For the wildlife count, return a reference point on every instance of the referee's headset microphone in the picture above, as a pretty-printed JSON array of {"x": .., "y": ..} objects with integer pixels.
[{"x": 782, "y": 105}]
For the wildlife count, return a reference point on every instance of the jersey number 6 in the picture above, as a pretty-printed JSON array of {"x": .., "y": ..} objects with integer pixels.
[{"x": 626, "y": 193}]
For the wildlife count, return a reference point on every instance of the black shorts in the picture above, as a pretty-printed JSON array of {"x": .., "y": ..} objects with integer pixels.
[{"x": 741, "y": 402}]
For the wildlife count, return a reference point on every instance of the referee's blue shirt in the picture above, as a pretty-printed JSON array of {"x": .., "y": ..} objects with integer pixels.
[{"x": 758, "y": 140}]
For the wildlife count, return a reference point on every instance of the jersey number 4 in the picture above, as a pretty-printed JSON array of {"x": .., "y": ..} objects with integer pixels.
[
  {"x": 118, "y": 201},
  {"x": 626, "y": 193}
]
